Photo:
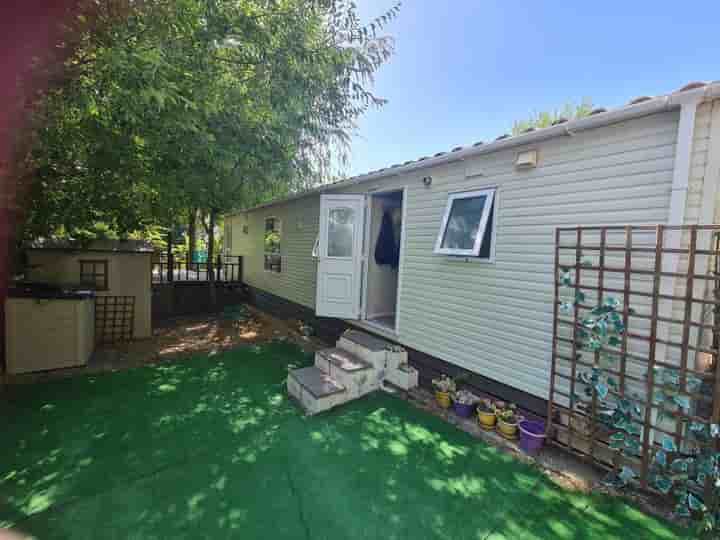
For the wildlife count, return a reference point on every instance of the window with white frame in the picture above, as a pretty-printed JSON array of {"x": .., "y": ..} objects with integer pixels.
[
  {"x": 271, "y": 245},
  {"x": 467, "y": 225},
  {"x": 228, "y": 237}
]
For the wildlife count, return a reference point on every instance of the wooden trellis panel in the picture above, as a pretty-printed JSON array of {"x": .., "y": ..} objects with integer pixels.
[
  {"x": 667, "y": 279},
  {"x": 114, "y": 319}
]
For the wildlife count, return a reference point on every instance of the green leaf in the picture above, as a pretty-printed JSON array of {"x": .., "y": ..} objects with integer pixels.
[
  {"x": 663, "y": 484},
  {"x": 661, "y": 458},
  {"x": 679, "y": 466},
  {"x": 627, "y": 475},
  {"x": 611, "y": 302},
  {"x": 681, "y": 510},
  {"x": 683, "y": 402},
  {"x": 693, "y": 383},
  {"x": 695, "y": 504},
  {"x": 602, "y": 390},
  {"x": 668, "y": 444},
  {"x": 614, "y": 341},
  {"x": 579, "y": 297}
]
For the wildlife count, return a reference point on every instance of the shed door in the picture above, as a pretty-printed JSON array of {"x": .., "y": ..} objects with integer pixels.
[{"x": 342, "y": 220}]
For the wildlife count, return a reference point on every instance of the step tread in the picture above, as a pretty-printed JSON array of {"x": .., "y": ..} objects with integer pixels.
[
  {"x": 316, "y": 381},
  {"x": 345, "y": 360},
  {"x": 371, "y": 343}
]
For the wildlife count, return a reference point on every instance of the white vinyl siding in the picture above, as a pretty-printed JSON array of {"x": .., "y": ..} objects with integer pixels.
[
  {"x": 300, "y": 220},
  {"x": 496, "y": 319},
  {"x": 702, "y": 182}
]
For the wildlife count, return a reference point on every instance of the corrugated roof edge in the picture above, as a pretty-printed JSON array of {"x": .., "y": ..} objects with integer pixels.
[{"x": 636, "y": 108}]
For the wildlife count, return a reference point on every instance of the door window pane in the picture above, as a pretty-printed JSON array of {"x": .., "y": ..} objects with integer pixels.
[
  {"x": 463, "y": 223},
  {"x": 340, "y": 232}
]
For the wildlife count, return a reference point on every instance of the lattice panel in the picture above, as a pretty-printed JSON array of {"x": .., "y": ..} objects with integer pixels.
[
  {"x": 667, "y": 281},
  {"x": 114, "y": 319}
]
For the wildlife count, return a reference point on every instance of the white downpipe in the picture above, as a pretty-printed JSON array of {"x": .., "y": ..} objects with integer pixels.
[{"x": 676, "y": 216}]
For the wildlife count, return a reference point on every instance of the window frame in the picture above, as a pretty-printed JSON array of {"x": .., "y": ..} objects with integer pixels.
[
  {"x": 104, "y": 274},
  {"x": 490, "y": 194},
  {"x": 278, "y": 254},
  {"x": 228, "y": 237}
]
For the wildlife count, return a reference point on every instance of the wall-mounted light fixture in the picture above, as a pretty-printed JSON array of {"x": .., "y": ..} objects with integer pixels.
[
  {"x": 526, "y": 160},
  {"x": 427, "y": 181}
]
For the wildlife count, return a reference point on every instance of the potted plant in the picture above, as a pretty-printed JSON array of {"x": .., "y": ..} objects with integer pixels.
[
  {"x": 507, "y": 421},
  {"x": 486, "y": 414},
  {"x": 444, "y": 387},
  {"x": 464, "y": 402}
]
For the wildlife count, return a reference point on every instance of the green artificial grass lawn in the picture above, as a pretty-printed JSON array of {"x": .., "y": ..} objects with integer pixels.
[{"x": 213, "y": 448}]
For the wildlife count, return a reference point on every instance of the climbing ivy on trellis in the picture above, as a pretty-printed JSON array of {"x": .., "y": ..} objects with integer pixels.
[
  {"x": 691, "y": 474},
  {"x": 598, "y": 333}
]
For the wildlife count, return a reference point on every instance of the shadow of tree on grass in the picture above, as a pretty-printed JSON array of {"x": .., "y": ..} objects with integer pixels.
[{"x": 213, "y": 448}]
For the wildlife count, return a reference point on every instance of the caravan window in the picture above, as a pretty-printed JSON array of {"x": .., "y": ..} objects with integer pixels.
[
  {"x": 466, "y": 227},
  {"x": 271, "y": 243}
]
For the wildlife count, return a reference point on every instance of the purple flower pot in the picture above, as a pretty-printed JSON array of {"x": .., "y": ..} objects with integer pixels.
[
  {"x": 463, "y": 410},
  {"x": 532, "y": 436}
]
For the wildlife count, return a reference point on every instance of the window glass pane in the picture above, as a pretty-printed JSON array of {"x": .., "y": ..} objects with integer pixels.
[
  {"x": 340, "y": 232},
  {"x": 463, "y": 223},
  {"x": 272, "y": 236}
]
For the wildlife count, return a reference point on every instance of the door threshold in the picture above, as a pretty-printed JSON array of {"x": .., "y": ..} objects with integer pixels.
[{"x": 375, "y": 327}]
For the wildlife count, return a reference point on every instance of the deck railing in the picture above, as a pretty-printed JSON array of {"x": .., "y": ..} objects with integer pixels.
[{"x": 226, "y": 268}]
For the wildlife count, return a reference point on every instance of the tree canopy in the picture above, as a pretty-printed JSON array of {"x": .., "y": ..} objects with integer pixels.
[
  {"x": 543, "y": 119},
  {"x": 169, "y": 107}
]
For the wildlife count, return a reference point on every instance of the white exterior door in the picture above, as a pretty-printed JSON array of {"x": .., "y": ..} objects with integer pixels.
[{"x": 342, "y": 225}]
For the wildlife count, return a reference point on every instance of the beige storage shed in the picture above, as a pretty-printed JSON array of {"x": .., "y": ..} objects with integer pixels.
[{"x": 119, "y": 271}]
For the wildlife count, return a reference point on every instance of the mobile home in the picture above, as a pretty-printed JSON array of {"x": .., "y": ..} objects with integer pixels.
[{"x": 449, "y": 255}]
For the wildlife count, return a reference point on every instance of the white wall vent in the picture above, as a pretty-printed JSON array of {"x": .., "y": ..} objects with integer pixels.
[{"x": 526, "y": 160}]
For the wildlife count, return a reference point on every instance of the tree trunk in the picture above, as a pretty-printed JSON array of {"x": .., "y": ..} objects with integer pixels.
[
  {"x": 211, "y": 256},
  {"x": 170, "y": 262},
  {"x": 192, "y": 235},
  {"x": 211, "y": 245}
]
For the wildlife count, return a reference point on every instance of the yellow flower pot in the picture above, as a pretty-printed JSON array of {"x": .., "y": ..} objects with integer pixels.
[
  {"x": 507, "y": 429},
  {"x": 487, "y": 419},
  {"x": 443, "y": 399}
]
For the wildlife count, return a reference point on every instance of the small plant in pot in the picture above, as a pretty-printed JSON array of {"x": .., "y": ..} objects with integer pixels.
[
  {"x": 464, "y": 402},
  {"x": 508, "y": 420},
  {"x": 486, "y": 414},
  {"x": 444, "y": 388}
]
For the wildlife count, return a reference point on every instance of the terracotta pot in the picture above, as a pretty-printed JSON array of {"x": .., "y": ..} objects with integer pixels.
[
  {"x": 487, "y": 419},
  {"x": 443, "y": 399}
]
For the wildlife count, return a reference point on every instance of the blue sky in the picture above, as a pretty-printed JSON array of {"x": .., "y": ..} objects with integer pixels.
[{"x": 465, "y": 69}]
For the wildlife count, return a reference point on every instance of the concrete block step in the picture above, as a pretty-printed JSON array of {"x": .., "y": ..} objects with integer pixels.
[
  {"x": 340, "y": 359},
  {"x": 355, "y": 374},
  {"x": 315, "y": 390},
  {"x": 367, "y": 341},
  {"x": 405, "y": 376},
  {"x": 366, "y": 347}
]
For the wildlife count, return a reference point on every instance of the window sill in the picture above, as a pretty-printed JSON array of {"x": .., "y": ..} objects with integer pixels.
[{"x": 466, "y": 259}]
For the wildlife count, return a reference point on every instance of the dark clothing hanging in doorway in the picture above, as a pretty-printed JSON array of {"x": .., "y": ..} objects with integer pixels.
[{"x": 387, "y": 250}]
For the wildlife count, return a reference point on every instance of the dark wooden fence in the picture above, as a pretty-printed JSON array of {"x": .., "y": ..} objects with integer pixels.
[
  {"x": 667, "y": 282},
  {"x": 169, "y": 269}
]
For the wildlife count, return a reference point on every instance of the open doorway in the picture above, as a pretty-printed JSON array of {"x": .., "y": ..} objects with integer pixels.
[{"x": 385, "y": 215}]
